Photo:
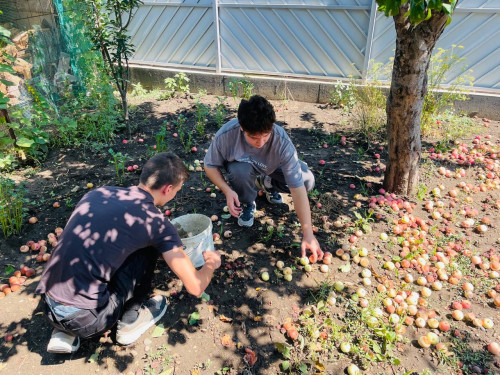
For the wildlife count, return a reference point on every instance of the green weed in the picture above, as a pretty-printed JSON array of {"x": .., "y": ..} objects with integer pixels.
[
  {"x": 158, "y": 362},
  {"x": 202, "y": 112},
  {"x": 421, "y": 191},
  {"x": 118, "y": 160},
  {"x": 243, "y": 86},
  {"x": 363, "y": 220},
  {"x": 138, "y": 90},
  {"x": 220, "y": 112},
  {"x": 178, "y": 84},
  {"x": 12, "y": 207}
]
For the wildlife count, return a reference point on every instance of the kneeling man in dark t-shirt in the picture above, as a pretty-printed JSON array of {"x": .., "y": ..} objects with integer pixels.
[{"x": 101, "y": 271}]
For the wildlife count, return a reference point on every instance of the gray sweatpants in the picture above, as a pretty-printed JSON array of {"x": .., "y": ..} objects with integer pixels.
[{"x": 241, "y": 176}]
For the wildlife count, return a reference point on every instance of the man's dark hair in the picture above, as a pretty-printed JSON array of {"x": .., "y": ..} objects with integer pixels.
[
  {"x": 256, "y": 115},
  {"x": 165, "y": 168}
]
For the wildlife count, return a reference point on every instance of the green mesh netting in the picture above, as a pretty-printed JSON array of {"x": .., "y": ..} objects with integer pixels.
[
  {"x": 59, "y": 46},
  {"x": 77, "y": 43}
]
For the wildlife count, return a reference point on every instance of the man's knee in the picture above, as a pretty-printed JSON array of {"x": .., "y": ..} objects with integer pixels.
[{"x": 240, "y": 170}]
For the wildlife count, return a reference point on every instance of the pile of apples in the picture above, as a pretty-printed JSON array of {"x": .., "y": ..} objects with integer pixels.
[
  {"x": 42, "y": 245},
  {"x": 16, "y": 281}
]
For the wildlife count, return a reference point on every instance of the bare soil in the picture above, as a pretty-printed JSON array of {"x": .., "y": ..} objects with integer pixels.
[{"x": 243, "y": 307}]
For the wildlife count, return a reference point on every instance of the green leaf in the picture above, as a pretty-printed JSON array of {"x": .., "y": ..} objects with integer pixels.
[
  {"x": 167, "y": 371},
  {"x": 205, "y": 297},
  {"x": 376, "y": 348},
  {"x": 9, "y": 269},
  {"x": 9, "y": 57},
  {"x": 94, "y": 358},
  {"x": 429, "y": 14},
  {"x": 193, "y": 318},
  {"x": 6, "y": 82},
  {"x": 284, "y": 349},
  {"x": 4, "y": 32},
  {"x": 158, "y": 331},
  {"x": 303, "y": 368},
  {"x": 285, "y": 365},
  {"x": 447, "y": 8},
  {"x": 41, "y": 140},
  {"x": 390, "y": 336},
  {"x": 302, "y": 342},
  {"x": 6, "y": 68},
  {"x": 24, "y": 142}
]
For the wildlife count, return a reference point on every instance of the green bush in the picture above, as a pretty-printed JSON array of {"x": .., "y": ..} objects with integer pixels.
[
  {"x": 369, "y": 103},
  {"x": 342, "y": 96},
  {"x": 440, "y": 99}
]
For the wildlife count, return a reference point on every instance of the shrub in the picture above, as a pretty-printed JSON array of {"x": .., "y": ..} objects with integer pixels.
[{"x": 439, "y": 98}]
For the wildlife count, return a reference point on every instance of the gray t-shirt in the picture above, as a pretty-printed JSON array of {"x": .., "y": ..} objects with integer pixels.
[
  {"x": 107, "y": 225},
  {"x": 229, "y": 144}
]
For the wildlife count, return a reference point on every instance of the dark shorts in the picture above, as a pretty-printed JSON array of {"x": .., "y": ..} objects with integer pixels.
[{"x": 85, "y": 323}]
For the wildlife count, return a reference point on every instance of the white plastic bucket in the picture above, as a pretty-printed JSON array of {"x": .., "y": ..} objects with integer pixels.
[{"x": 197, "y": 231}]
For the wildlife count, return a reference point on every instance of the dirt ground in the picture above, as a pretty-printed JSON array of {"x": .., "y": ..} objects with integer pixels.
[{"x": 242, "y": 307}]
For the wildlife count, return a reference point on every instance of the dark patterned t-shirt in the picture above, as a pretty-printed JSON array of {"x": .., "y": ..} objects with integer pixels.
[{"x": 108, "y": 225}]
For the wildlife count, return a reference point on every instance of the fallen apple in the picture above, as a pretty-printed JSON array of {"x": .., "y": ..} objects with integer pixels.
[
  {"x": 304, "y": 260},
  {"x": 345, "y": 347},
  {"x": 494, "y": 348},
  {"x": 353, "y": 370}
]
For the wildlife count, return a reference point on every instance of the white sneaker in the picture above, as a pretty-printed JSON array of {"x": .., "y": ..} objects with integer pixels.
[{"x": 63, "y": 343}]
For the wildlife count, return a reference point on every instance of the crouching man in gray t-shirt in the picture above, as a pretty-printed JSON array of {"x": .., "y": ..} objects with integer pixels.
[
  {"x": 258, "y": 154},
  {"x": 100, "y": 273}
]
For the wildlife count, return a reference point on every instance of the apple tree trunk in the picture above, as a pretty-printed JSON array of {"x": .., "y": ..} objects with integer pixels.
[{"x": 414, "y": 45}]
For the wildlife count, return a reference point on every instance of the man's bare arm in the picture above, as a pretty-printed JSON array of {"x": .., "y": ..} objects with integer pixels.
[{"x": 195, "y": 281}]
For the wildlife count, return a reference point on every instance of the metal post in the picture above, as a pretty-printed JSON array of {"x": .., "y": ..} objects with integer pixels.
[
  {"x": 217, "y": 35},
  {"x": 369, "y": 39}
]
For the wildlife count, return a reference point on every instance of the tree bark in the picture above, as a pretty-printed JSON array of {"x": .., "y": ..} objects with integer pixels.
[
  {"x": 123, "y": 95},
  {"x": 414, "y": 45}
]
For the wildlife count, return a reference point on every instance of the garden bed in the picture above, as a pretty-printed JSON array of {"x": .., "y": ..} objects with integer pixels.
[{"x": 237, "y": 330}]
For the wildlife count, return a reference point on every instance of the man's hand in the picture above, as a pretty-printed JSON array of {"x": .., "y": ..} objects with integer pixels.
[
  {"x": 312, "y": 244},
  {"x": 212, "y": 258},
  {"x": 233, "y": 203}
]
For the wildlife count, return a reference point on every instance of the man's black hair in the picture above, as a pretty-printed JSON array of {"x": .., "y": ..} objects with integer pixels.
[
  {"x": 256, "y": 115},
  {"x": 165, "y": 168}
]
